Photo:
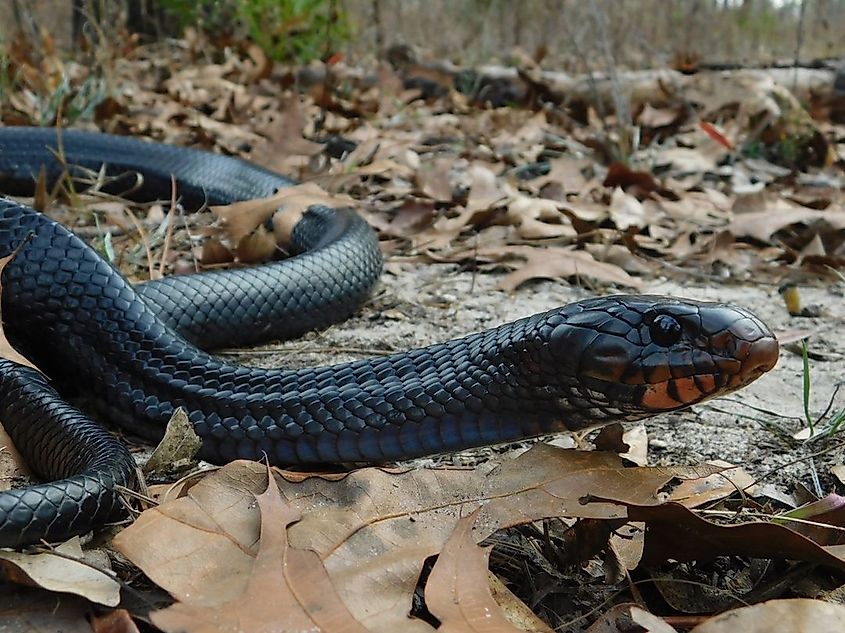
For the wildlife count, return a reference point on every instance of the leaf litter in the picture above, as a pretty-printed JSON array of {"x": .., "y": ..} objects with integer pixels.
[{"x": 516, "y": 191}]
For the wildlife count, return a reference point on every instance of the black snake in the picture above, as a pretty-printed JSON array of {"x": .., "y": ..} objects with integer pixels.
[{"x": 134, "y": 352}]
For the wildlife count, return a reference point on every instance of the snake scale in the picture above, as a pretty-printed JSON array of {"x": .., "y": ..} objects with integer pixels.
[{"x": 135, "y": 353}]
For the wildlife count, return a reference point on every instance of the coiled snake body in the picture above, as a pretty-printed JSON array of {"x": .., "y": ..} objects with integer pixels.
[{"x": 133, "y": 352}]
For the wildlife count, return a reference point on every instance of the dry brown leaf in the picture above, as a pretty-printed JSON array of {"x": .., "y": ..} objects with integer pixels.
[
  {"x": 117, "y": 621},
  {"x": 677, "y": 533},
  {"x": 484, "y": 192},
  {"x": 372, "y": 528},
  {"x": 568, "y": 173},
  {"x": 457, "y": 592},
  {"x": 515, "y": 609},
  {"x": 241, "y": 218},
  {"x": 538, "y": 218},
  {"x": 717, "y": 486},
  {"x": 258, "y": 246},
  {"x": 64, "y": 571},
  {"x": 286, "y": 588},
  {"x": 798, "y": 615},
  {"x": 177, "y": 449},
  {"x": 761, "y": 225},
  {"x": 650, "y": 116},
  {"x": 626, "y": 211},
  {"x": 557, "y": 263},
  {"x": 433, "y": 180},
  {"x": 215, "y": 252},
  {"x": 285, "y": 149}
]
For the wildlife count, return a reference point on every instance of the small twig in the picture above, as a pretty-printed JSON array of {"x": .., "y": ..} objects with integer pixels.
[
  {"x": 168, "y": 236},
  {"x": 144, "y": 240}
]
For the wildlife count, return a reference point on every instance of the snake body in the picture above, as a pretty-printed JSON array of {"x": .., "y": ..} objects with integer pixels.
[{"x": 133, "y": 352}]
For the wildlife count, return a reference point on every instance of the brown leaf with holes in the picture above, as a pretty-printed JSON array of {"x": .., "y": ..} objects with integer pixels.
[{"x": 286, "y": 588}]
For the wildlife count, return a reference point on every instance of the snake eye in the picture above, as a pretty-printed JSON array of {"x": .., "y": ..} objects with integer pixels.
[{"x": 665, "y": 330}]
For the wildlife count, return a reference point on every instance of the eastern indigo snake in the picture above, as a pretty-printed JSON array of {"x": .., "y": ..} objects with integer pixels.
[{"x": 134, "y": 352}]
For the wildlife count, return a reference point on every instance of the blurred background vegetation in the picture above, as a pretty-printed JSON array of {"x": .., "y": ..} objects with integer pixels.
[{"x": 562, "y": 34}]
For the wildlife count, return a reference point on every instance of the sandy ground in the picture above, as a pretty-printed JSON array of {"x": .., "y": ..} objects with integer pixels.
[{"x": 416, "y": 305}]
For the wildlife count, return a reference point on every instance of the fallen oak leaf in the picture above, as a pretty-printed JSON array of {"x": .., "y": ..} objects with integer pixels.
[
  {"x": 286, "y": 587},
  {"x": 556, "y": 263},
  {"x": 372, "y": 528}
]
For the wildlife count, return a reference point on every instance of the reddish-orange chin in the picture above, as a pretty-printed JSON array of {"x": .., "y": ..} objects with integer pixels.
[{"x": 687, "y": 391}]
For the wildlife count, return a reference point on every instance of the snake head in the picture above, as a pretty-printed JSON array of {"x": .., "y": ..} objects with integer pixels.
[{"x": 628, "y": 357}]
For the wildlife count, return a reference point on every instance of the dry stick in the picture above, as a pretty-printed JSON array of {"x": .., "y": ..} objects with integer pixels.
[
  {"x": 144, "y": 240},
  {"x": 168, "y": 236}
]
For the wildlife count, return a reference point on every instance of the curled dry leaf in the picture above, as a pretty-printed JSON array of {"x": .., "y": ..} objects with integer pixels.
[
  {"x": 626, "y": 211},
  {"x": 538, "y": 218}
]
